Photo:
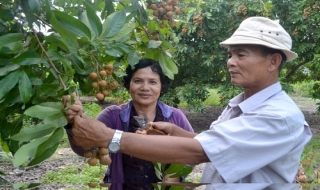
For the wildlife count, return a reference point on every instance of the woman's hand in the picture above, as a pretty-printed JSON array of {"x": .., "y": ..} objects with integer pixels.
[{"x": 72, "y": 110}]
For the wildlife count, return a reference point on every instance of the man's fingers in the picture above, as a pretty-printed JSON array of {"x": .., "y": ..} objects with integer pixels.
[
  {"x": 76, "y": 99},
  {"x": 65, "y": 100},
  {"x": 75, "y": 108}
]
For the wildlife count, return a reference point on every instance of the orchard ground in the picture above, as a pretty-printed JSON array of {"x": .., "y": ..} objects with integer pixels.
[{"x": 65, "y": 157}]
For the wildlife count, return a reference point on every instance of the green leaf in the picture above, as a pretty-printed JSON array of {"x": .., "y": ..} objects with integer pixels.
[
  {"x": 56, "y": 105},
  {"x": 168, "y": 66},
  {"x": 28, "y": 12},
  {"x": 57, "y": 26},
  {"x": 72, "y": 24},
  {"x": 27, "y": 151},
  {"x": 30, "y": 133},
  {"x": 133, "y": 58},
  {"x": 94, "y": 20},
  {"x": 8, "y": 68},
  {"x": 25, "y": 87},
  {"x": 6, "y": 15},
  {"x": 183, "y": 172},
  {"x": 158, "y": 170},
  {"x": 41, "y": 112},
  {"x": 55, "y": 55},
  {"x": 57, "y": 120},
  {"x": 49, "y": 89},
  {"x": 28, "y": 58},
  {"x": 47, "y": 148},
  {"x": 114, "y": 52},
  {"x": 114, "y": 23},
  {"x": 8, "y": 82},
  {"x": 11, "y": 43},
  {"x": 56, "y": 41},
  {"x": 34, "y": 6},
  {"x": 154, "y": 44},
  {"x": 108, "y": 8},
  {"x": 125, "y": 30},
  {"x": 142, "y": 15},
  {"x": 173, "y": 168}
]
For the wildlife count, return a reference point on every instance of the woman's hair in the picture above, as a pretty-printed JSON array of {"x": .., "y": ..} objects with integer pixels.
[{"x": 155, "y": 67}]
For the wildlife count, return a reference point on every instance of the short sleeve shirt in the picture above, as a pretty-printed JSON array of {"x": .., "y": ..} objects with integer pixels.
[{"x": 257, "y": 140}]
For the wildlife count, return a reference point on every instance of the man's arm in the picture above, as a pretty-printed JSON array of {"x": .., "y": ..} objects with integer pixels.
[{"x": 88, "y": 132}]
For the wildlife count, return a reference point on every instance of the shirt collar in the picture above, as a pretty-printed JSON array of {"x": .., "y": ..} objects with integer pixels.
[{"x": 255, "y": 100}]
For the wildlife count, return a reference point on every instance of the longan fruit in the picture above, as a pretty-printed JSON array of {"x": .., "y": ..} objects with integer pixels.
[
  {"x": 168, "y": 8},
  {"x": 177, "y": 11},
  {"x": 109, "y": 72},
  {"x": 93, "y": 161},
  {"x": 87, "y": 154},
  {"x": 105, "y": 92},
  {"x": 95, "y": 85},
  {"x": 105, "y": 160},
  {"x": 105, "y": 184},
  {"x": 93, "y": 76},
  {"x": 102, "y": 73},
  {"x": 103, "y": 151},
  {"x": 162, "y": 25},
  {"x": 155, "y": 13},
  {"x": 102, "y": 83},
  {"x": 161, "y": 10},
  {"x": 99, "y": 96},
  {"x": 109, "y": 67},
  {"x": 153, "y": 6},
  {"x": 86, "y": 148},
  {"x": 113, "y": 85},
  {"x": 92, "y": 185},
  {"x": 169, "y": 14}
]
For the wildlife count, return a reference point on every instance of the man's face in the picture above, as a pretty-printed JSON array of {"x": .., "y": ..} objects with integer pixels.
[{"x": 248, "y": 67}]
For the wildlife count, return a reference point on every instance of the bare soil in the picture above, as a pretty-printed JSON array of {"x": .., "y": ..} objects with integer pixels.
[{"x": 65, "y": 157}]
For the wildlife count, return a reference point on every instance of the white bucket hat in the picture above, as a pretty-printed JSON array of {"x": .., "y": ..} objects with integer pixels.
[{"x": 262, "y": 31}]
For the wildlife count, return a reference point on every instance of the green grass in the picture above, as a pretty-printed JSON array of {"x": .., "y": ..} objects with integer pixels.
[
  {"x": 302, "y": 89},
  {"x": 310, "y": 160},
  {"x": 76, "y": 175}
]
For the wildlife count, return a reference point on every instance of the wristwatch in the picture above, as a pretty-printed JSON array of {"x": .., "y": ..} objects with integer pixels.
[{"x": 114, "y": 145}]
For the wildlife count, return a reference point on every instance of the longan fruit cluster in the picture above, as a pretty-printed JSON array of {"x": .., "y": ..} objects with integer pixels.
[
  {"x": 306, "y": 12},
  {"x": 197, "y": 19},
  {"x": 103, "y": 82},
  {"x": 201, "y": 33},
  {"x": 242, "y": 10},
  {"x": 95, "y": 155},
  {"x": 315, "y": 6},
  {"x": 164, "y": 10},
  {"x": 184, "y": 29}
]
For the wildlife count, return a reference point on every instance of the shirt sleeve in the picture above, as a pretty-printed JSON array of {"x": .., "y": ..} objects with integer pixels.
[{"x": 242, "y": 145}]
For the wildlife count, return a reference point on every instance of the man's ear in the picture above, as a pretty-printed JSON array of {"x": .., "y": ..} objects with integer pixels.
[{"x": 275, "y": 61}]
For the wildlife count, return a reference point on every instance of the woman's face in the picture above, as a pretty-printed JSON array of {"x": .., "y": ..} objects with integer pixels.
[{"x": 145, "y": 87}]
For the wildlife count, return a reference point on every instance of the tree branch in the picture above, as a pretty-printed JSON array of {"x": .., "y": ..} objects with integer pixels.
[
  {"x": 293, "y": 69},
  {"x": 50, "y": 61}
]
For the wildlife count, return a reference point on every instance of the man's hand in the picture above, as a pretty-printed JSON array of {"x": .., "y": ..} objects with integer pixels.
[
  {"x": 166, "y": 127},
  {"x": 74, "y": 109},
  {"x": 88, "y": 132}
]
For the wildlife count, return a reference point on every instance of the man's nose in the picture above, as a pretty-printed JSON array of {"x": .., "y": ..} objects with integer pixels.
[{"x": 230, "y": 62}]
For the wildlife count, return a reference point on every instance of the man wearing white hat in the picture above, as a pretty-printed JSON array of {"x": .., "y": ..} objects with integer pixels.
[{"x": 259, "y": 137}]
